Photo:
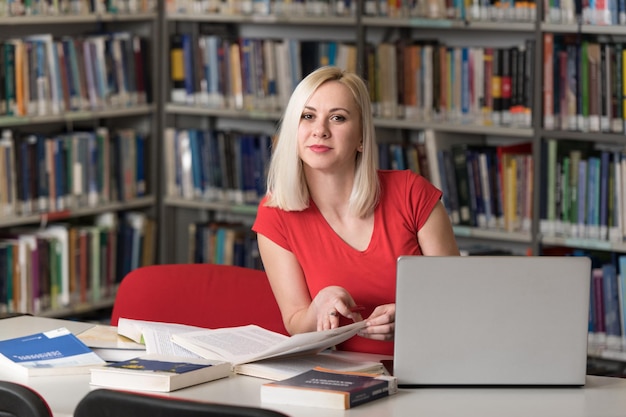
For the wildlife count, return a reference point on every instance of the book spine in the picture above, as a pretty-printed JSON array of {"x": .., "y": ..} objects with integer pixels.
[
  {"x": 617, "y": 90},
  {"x": 177, "y": 69},
  {"x": 548, "y": 82},
  {"x": 371, "y": 393},
  {"x": 462, "y": 181}
]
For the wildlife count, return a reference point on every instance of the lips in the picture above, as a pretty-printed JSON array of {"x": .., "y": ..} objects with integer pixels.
[{"x": 319, "y": 148}]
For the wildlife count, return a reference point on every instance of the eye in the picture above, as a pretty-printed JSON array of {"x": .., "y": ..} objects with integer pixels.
[
  {"x": 306, "y": 116},
  {"x": 338, "y": 118}
]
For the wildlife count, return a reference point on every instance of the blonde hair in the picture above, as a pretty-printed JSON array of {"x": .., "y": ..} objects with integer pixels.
[{"x": 286, "y": 183}]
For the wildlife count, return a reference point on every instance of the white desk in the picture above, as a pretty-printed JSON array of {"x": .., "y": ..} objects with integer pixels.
[{"x": 601, "y": 397}]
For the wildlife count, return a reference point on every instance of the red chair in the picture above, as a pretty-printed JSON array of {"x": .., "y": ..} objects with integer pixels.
[{"x": 203, "y": 295}]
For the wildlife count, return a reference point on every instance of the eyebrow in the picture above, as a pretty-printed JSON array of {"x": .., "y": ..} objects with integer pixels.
[{"x": 334, "y": 109}]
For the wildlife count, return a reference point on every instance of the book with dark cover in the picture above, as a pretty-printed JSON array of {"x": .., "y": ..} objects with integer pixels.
[
  {"x": 159, "y": 373},
  {"x": 325, "y": 388}
]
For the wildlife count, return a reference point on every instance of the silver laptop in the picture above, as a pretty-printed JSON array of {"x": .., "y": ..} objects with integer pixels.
[{"x": 492, "y": 320}]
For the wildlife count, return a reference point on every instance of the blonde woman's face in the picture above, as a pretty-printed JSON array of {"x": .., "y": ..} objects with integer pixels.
[{"x": 329, "y": 133}]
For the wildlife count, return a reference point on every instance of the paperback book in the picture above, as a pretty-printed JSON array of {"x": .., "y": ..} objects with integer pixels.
[
  {"x": 55, "y": 352},
  {"x": 320, "y": 387},
  {"x": 159, "y": 373},
  {"x": 278, "y": 369},
  {"x": 109, "y": 345}
]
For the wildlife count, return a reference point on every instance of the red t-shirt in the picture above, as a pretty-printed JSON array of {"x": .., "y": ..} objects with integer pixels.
[{"x": 406, "y": 201}]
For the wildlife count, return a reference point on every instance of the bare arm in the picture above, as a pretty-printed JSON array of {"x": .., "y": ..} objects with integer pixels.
[
  {"x": 300, "y": 312},
  {"x": 288, "y": 284},
  {"x": 435, "y": 238}
]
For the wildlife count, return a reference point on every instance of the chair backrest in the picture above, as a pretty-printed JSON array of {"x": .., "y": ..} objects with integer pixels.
[
  {"x": 204, "y": 295},
  {"x": 111, "y": 403},
  {"x": 17, "y": 400}
]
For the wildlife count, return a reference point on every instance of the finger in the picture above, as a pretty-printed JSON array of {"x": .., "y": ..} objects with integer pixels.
[{"x": 333, "y": 319}]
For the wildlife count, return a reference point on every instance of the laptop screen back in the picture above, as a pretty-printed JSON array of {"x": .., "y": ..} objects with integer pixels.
[{"x": 492, "y": 320}]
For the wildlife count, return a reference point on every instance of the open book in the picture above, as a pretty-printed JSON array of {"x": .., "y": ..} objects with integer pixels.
[
  {"x": 228, "y": 344},
  {"x": 251, "y": 343}
]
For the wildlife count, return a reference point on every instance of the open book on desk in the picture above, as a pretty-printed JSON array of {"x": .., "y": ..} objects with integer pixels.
[
  {"x": 251, "y": 343},
  {"x": 252, "y": 340},
  {"x": 156, "y": 336}
]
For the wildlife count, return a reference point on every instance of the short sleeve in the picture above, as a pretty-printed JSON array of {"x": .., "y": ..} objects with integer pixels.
[
  {"x": 422, "y": 197},
  {"x": 270, "y": 224}
]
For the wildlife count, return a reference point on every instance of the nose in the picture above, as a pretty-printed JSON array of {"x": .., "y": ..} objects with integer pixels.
[{"x": 320, "y": 130}]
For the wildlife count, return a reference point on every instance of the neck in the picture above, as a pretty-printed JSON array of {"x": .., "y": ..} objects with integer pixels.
[{"x": 330, "y": 192}]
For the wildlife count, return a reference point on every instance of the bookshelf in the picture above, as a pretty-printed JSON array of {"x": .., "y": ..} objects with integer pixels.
[
  {"x": 72, "y": 129},
  {"x": 525, "y": 26}
]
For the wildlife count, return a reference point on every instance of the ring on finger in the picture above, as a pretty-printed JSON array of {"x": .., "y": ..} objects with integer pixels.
[{"x": 333, "y": 313}]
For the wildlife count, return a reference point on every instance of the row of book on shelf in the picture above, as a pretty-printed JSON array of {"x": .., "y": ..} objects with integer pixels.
[
  {"x": 607, "y": 300},
  {"x": 422, "y": 80},
  {"x": 40, "y": 174},
  {"x": 604, "y": 13},
  {"x": 312, "y": 8},
  {"x": 225, "y": 243},
  {"x": 584, "y": 86},
  {"x": 71, "y": 264},
  {"x": 483, "y": 185},
  {"x": 582, "y": 184},
  {"x": 610, "y": 12},
  {"x": 44, "y": 75},
  {"x": 73, "y": 7},
  {"x": 486, "y": 185},
  {"x": 475, "y": 10},
  {"x": 583, "y": 191},
  {"x": 510, "y": 10},
  {"x": 216, "y": 165},
  {"x": 217, "y": 70},
  {"x": 431, "y": 81}
]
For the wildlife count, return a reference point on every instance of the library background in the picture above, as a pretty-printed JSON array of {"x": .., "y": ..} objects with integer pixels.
[{"x": 138, "y": 131}]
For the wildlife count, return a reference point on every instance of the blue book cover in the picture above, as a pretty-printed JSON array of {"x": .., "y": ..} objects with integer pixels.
[
  {"x": 611, "y": 304},
  {"x": 188, "y": 66},
  {"x": 151, "y": 365},
  {"x": 196, "y": 164},
  {"x": 161, "y": 373},
  {"x": 603, "y": 214},
  {"x": 54, "y": 352},
  {"x": 141, "y": 175},
  {"x": 621, "y": 287}
]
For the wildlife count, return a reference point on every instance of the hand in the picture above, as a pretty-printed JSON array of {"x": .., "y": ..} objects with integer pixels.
[
  {"x": 330, "y": 303},
  {"x": 381, "y": 324}
]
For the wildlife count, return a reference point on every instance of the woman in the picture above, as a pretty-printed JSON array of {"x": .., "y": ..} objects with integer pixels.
[{"x": 332, "y": 226}]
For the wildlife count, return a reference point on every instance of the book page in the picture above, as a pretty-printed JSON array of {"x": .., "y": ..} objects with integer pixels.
[
  {"x": 250, "y": 343},
  {"x": 159, "y": 341},
  {"x": 233, "y": 344},
  {"x": 156, "y": 336},
  {"x": 107, "y": 337}
]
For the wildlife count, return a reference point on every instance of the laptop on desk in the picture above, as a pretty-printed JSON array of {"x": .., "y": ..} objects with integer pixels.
[{"x": 492, "y": 320}]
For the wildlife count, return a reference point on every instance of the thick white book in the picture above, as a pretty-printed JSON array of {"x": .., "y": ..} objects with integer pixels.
[
  {"x": 55, "y": 352},
  {"x": 159, "y": 373}
]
